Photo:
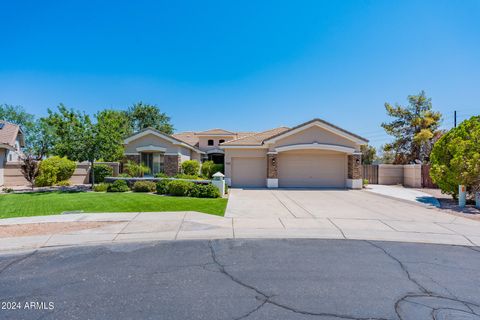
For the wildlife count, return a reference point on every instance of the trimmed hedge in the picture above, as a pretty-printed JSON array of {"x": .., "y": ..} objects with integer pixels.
[
  {"x": 180, "y": 188},
  {"x": 102, "y": 187},
  {"x": 191, "y": 167},
  {"x": 144, "y": 186},
  {"x": 118, "y": 186},
  {"x": 100, "y": 171},
  {"x": 162, "y": 186},
  {"x": 53, "y": 170},
  {"x": 205, "y": 191}
]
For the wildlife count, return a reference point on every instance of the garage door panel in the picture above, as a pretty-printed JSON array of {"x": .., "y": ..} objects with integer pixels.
[
  {"x": 249, "y": 172},
  {"x": 312, "y": 169}
]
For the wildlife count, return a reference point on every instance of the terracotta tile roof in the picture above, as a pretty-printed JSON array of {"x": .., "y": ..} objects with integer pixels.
[
  {"x": 187, "y": 137},
  {"x": 255, "y": 139},
  {"x": 216, "y": 131},
  {"x": 8, "y": 133}
]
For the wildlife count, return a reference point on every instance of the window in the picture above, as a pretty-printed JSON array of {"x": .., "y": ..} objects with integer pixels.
[
  {"x": 221, "y": 141},
  {"x": 210, "y": 142}
]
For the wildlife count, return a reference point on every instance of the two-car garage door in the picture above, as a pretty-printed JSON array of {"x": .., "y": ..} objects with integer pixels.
[
  {"x": 296, "y": 169},
  {"x": 317, "y": 169}
]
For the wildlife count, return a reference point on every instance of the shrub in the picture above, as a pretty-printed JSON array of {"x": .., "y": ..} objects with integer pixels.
[
  {"x": 186, "y": 176},
  {"x": 53, "y": 170},
  {"x": 455, "y": 158},
  {"x": 118, "y": 186},
  {"x": 205, "y": 191},
  {"x": 102, "y": 187},
  {"x": 144, "y": 186},
  {"x": 162, "y": 186},
  {"x": 161, "y": 175},
  {"x": 180, "y": 188},
  {"x": 365, "y": 182},
  {"x": 7, "y": 190},
  {"x": 226, "y": 188},
  {"x": 100, "y": 171},
  {"x": 209, "y": 168},
  {"x": 64, "y": 183},
  {"x": 136, "y": 170},
  {"x": 191, "y": 167},
  {"x": 124, "y": 175}
]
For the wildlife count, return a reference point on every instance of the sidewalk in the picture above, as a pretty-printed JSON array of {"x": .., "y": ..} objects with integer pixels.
[{"x": 152, "y": 226}]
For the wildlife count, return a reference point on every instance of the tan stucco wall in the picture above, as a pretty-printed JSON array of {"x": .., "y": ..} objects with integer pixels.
[
  {"x": 315, "y": 134},
  {"x": 412, "y": 175},
  {"x": 241, "y": 153},
  {"x": 148, "y": 140},
  {"x": 390, "y": 174},
  {"x": 203, "y": 141}
]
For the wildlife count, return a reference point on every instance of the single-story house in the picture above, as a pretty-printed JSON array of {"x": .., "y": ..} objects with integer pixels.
[
  {"x": 12, "y": 140},
  {"x": 313, "y": 154}
]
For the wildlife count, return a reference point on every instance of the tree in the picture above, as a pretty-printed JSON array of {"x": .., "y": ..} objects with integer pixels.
[
  {"x": 142, "y": 116},
  {"x": 369, "y": 154},
  {"x": 455, "y": 158},
  {"x": 19, "y": 116},
  {"x": 414, "y": 128},
  {"x": 41, "y": 141},
  {"x": 112, "y": 128},
  {"x": 29, "y": 169}
]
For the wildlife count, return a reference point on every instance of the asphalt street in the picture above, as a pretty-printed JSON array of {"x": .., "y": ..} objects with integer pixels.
[{"x": 243, "y": 279}]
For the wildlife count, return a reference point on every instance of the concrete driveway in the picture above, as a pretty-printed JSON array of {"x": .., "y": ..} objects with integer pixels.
[{"x": 354, "y": 214}]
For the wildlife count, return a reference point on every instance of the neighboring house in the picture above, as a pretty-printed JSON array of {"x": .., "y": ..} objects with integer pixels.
[
  {"x": 313, "y": 154},
  {"x": 12, "y": 140}
]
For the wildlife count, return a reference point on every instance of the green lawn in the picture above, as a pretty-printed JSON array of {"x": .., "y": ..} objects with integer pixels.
[{"x": 46, "y": 203}]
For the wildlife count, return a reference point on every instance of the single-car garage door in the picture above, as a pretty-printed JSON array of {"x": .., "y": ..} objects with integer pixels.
[
  {"x": 249, "y": 172},
  {"x": 318, "y": 169}
]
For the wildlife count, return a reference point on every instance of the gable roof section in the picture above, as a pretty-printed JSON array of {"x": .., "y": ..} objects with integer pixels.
[
  {"x": 216, "y": 132},
  {"x": 162, "y": 135},
  {"x": 9, "y": 133},
  {"x": 323, "y": 124},
  {"x": 187, "y": 137},
  {"x": 254, "y": 139}
]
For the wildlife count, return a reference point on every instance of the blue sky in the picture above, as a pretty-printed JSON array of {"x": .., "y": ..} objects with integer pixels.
[{"x": 243, "y": 65}]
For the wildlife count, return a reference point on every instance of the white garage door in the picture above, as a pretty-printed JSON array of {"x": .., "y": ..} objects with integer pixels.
[
  {"x": 318, "y": 169},
  {"x": 249, "y": 172}
]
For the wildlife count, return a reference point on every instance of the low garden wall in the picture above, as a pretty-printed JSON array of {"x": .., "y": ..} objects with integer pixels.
[
  {"x": 409, "y": 175},
  {"x": 131, "y": 181},
  {"x": 13, "y": 176}
]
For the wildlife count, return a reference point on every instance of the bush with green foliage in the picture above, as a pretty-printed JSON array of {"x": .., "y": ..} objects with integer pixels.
[
  {"x": 118, "y": 186},
  {"x": 100, "y": 171},
  {"x": 53, "y": 170},
  {"x": 191, "y": 167},
  {"x": 209, "y": 168},
  {"x": 205, "y": 191},
  {"x": 455, "y": 158},
  {"x": 101, "y": 187},
  {"x": 186, "y": 176},
  {"x": 162, "y": 186},
  {"x": 144, "y": 186},
  {"x": 124, "y": 175},
  {"x": 136, "y": 170},
  {"x": 180, "y": 188},
  {"x": 64, "y": 183},
  {"x": 161, "y": 175}
]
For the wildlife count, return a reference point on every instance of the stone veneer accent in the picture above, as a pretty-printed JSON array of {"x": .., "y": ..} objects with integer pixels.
[
  {"x": 272, "y": 162},
  {"x": 355, "y": 166},
  {"x": 131, "y": 157},
  {"x": 172, "y": 164}
]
